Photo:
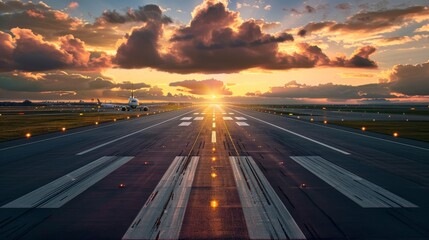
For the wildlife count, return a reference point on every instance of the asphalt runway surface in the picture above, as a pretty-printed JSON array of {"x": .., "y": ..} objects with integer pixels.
[{"x": 213, "y": 171}]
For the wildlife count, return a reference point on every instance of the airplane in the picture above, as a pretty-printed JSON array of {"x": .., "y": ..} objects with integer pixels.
[{"x": 133, "y": 104}]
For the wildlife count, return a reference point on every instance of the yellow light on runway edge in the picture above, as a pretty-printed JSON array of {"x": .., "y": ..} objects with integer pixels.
[
  {"x": 395, "y": 134},
  {"x": 363, "y": 128},
  {"x": 96, "y": 123},
  {"x": 214, "y": 175},
  {"x": 28, "y": 135},
  {"x": 63, "y": 129},
  {"x": 213, "y": 159}
]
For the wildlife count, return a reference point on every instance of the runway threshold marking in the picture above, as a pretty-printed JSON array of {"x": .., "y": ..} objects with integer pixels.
[
  {"x": 227, "y": 118},
  {"x": 162, "y": 215},
  {"x": 198, "y": 118},
  {"x": 58, "y": 192},
  {"x": 242, "y": 124},
  {"x": 359, "y": 190},
  {"x": 186, "y": 118},
  {"x": 184, "y": 124},
  {"x": 241, "y": 118},
  {"x": 297, "y": 134},
  {"x": 213, "y": 136},
  {"x": 128, "y": 135},
  {"x": 265, "y": 214}
]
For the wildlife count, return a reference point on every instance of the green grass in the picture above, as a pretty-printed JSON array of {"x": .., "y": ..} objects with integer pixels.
[
  {"x": 417, "y": 130},
  {"x": 17, "y": 126}
]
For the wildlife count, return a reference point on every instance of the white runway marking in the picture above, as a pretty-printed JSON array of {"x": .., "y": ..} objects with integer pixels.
[
  {"x": 186, "y": 118},
  {"x": 214, "y": 125},
  {"x": 58, "y": 192},
  {"x": 128, "y": 135},
  {"x": 224, "y": 113},
  {"x": 196, "y": 113},
  {"x": 227, "y": 118},
  {"x": 359, "y": 190},
  {"x": 231, "y": 113},
  {"x": 203, "y": 113},
  {"x": 242, "y": 124},
  {"x": 198, "y": 118},
  {"x": 265, "y": 214},
  {"x": 213, "y": 136},
  {"x": 297, "y": 134},
  {"x": 162, "y": 215},
  {"x": 241, "y": 118},
  {"x": 184, "y": 124}
]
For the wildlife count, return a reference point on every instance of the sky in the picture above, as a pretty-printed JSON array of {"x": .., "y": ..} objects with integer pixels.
[{"x": 241, "y": 51}]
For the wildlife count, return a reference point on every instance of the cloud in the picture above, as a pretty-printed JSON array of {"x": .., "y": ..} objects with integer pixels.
[
  {"x": 267, "y": 7},
  {"x": 343, "y": 6},
  {"x": 331, "y": 91},
  {"x": 16, "y": 5},
  {"x": 359, "y": 59},
  {"x": 146, "y": 13},
  {"x": 203, "y": 87},
  {"x": 402, "y": 81},
  {"x": 370, "y": 23},
  {"x": 73, "y": 5},
  {"x": 424, "y": 28},
  {"x": 217, "y": 40},
  {"x": 27, "y": 51},
  {"x": 409, "y": 79}
]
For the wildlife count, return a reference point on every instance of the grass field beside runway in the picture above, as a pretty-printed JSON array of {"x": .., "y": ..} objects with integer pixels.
[
  {"x": 417, "y": 130},
  {"x": 15, "y": 126}
]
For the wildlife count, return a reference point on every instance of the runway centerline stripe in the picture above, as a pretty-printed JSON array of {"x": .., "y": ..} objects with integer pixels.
[
  {"x": 58, "y": 192},
  {"x": 265, "y": 214},
  {"x": 184, "y": 124},
  {"x": 162, "y": 215},
  {"x": 128, "y": 135},
  {"x": 297, "y": 134},
  {"x": 359, "y": 190},
  {"x": 213, "y": 136},
  {"x": 213, "y": 125}
]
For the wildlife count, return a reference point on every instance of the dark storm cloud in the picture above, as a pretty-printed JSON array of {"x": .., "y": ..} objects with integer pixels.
[
  {"x": 410, "y": 79},
  {"x": 218, "y": 40},
  {"x": 141, "y": 14},
  {"x": 359, "y": 59},
  {"x": 371, "y": 22},
  {"x": 203, "y": 87}
]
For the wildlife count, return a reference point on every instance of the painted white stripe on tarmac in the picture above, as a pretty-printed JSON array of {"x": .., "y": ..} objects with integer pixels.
[
  {"x": 242, "y": 124},
  {"x": 162, "y": 215},
  {"x": 213, "y": 136},
  {"x": 128, "y": 135},
  {"x": 186, "y": 118},
  {"x": 227, "y": 118},
  {"x": 231, "y": 113},
  {"x": 214, "y": 125},
  {"x": 58, "y": 192},
  {"x": 297, "y": 134},
  {"x": 198, "y": 118},
  {"x": 196, "y": 113},
  {"x": 265, "y": 214},
  {"x": 241, "y": 118},
  {"x": 184, "y": 124},
  {"x": 359, "y": 190}
]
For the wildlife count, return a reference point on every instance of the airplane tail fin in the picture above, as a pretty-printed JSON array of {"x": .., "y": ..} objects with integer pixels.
[{"x": 98, "y": 100}]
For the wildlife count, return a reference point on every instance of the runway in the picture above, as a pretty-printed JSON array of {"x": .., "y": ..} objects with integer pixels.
[{"x": 214, "y": 171}]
